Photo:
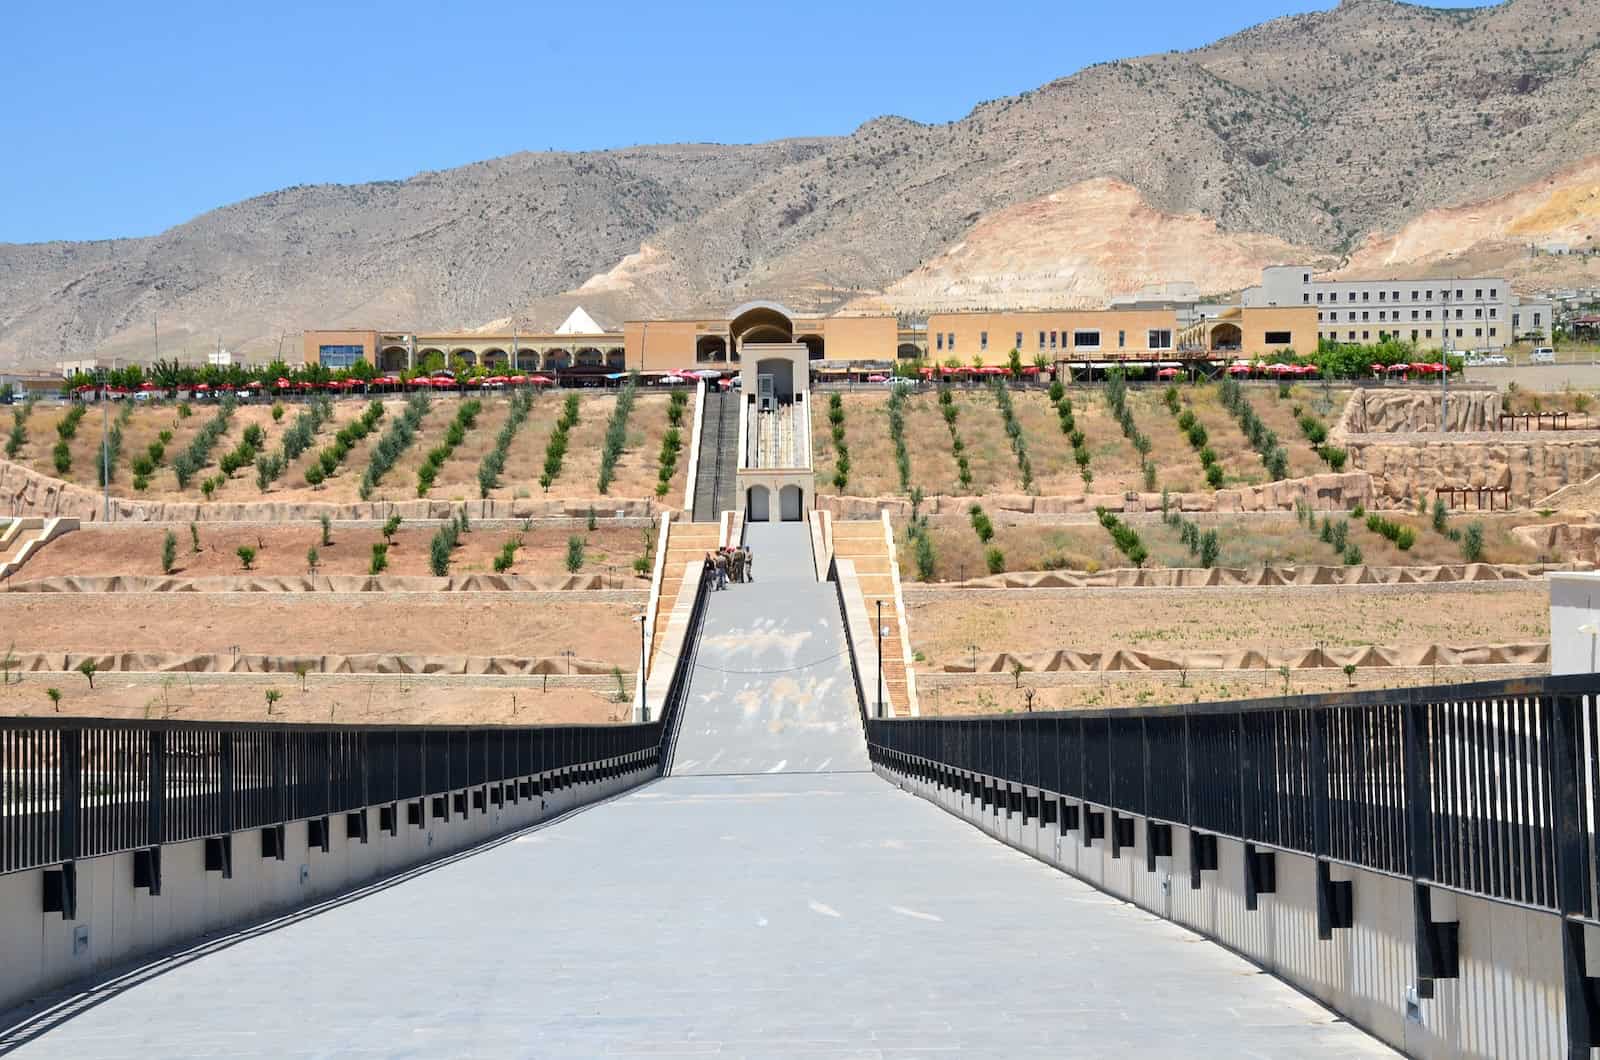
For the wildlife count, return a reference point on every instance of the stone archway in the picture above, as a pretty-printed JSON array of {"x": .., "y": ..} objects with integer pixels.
[
  {"x": 494, "y": 357},
  {"x": 813, "y": 345},
  {"x": 908, "y": 351},
  {"x": 791, "y": 504},
  {"x": 468, "y": 357},
  {"x": 616, "y": 359},
  {"x": 1226, "y": 337},
  {"x": 589, "y": 357},
  {"x": 392, "y": 359},
  {"x": 527, "y": 360},
  {"x": 761, "y": 322},
  {"x": 758, "y": 509},
  {"x": 710, "y": 348},
  {"x": 557, "y": 360}
]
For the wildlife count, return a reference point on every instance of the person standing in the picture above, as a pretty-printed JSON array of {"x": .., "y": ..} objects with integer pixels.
[
  {"x": 749, "y": 564},
  {"x": 722, "y": 570}
]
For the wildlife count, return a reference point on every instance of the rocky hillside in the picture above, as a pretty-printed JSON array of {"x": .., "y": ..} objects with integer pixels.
[{"x": 1323, "y": 134}]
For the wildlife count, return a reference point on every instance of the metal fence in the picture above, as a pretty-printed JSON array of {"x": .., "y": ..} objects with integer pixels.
[
  {"x": 683, "y": 670},
  {"x": 1491, "y": 789},
  {"x": 77, "y": 788}
]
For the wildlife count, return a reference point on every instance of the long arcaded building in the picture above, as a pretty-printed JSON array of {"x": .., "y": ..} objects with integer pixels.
[{"x": 1289, "y": 311}]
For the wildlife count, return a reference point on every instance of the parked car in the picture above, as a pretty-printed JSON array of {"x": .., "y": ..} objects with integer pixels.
[
  {"x": 1495, "y": 360},
  {"x": 1542, "y": 355}
]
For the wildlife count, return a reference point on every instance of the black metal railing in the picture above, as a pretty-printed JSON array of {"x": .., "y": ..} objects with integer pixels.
[
  {"x": 1491, "y": 789},
  {"x": 76, "y": 788},
  {"x": 683, "y": 670},
  {"x": 849, "y": 642}
]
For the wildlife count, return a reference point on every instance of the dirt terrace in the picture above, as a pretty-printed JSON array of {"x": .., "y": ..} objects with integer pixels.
[
  {"x": 635, "y": 475},
  {"x": 281, "y": 550},
  {"x": 943, "y": 630},
  {"x": 319, "y": 623}
]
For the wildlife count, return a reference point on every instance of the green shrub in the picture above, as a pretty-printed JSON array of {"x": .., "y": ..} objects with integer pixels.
[
  {"x": 1405, "y": 538},
  {"x": 574, "y": 554},
  {"x": 1472, "y": 543},
  {"x": 247, "y": 556},
  {"x": 1214, "y": 476},
  {"x": 995, "y": 560},
  {"x": 380, "y": 558},
  {"x": 169, "y": 552}
]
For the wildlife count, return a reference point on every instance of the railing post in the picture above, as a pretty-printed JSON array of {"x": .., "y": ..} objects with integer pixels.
[
  {"x": 70, "y": 764},
  {"x": 228, "y": 783},
  {"x": 158, "y": 786},
  {"x": 280, "y": 778},
  {"x": 1571, "y": 841}
]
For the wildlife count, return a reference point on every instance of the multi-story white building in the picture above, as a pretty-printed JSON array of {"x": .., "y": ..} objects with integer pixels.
[{"x": 1463, "y": 314}]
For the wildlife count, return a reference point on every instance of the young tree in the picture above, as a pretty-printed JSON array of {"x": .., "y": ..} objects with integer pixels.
[
  {"x": 327, "y": 529},
  {"x": 312, "y": 559},
  {"x": 246, "y": 554},
  {"x": 55, "y": 698},
  {"x": 273, "y": 695},
  {"x": 88, "y": 669},
  {"x": 1350, "y": 674},
  {"x": 390, "y": 527},
  {"x": 169, "y": 552}
]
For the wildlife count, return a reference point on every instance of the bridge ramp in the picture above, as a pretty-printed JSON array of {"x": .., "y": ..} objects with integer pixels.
[{"x": 772, "y": 690}]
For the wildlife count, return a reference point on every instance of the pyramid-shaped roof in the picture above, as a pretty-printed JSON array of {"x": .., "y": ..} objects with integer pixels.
[{"x": 579, "y": 322}]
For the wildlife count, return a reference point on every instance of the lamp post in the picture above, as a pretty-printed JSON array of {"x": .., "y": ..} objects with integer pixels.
[
  {"x": 644, "y": 705},
  {"x": 880, "y": 658},
  {"x": 1593, "y": 630}
]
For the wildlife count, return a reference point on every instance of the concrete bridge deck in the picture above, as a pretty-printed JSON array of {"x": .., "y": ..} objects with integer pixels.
[{"x": 757, "y": 910}]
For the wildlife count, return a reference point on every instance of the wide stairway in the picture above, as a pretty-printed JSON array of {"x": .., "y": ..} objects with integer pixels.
[
  {"x": 716, "y": 487},
  {"x": 686, "y": 542},
  {"x": 864, "y": 544}
]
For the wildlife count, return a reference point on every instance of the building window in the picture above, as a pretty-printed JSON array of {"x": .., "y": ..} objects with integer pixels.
[
  {"x": 1364, "y": 314},
  {"x": 1458, "y": 292},
  {"x": 1413, "y": 314},
  {"x": 938, "y": 341},
  {"x": 1279, "y": 338},
  {"x": 1018, "y": 344},
  {"x": 1305, "y": 298},
  {"x": 1319, "y": 316},
  {"x": 950, "y": 340},
  {"x": 1430, "y": 296},
  {"x": 1352, "y": 316},
  {"x": 1478, "y": 313},
  {"x": 983, "y": 340},
  {"x": 1494, "y": 292},
  {"x": 1428, "y": 334},
  {"x": 1538, "y": 318},
  {"x": 339, "y": 356},
  {"x": 1041, "y": 340},
  {"x": 1477, "y": 333},
  {"x": 1395, "y": 297},
  {"x": 1365, "y": 335},
  {"x": 1491, "y": 333},
  {"x": 1122, "y": 339},
  {"x": 1159, "y": 339},
  {"x": 1319, "y": 297},
  {"x": 1352, "y": 296},
  {"x": 1381, "y": 295},
  {"x": 1458, "y": 333},
  {"x": 1305, "y": 277},
  {"x": 1413, "y": 296},
  {"x": 1052, "y": 340},
  {"x": 1413, "y": 334},
  {"x": 1478, "y": 293},
  {"x": 1493, "y": 312},
  {"x": 1352, "y": 336},
  {"x": 1516, "y": 321},
  {"x": 1365, "y": 295},
  {"x": 1086, "y": 338},
  {"x": 1458, "y": 314},
  {"x": 1427, "y": 314}
]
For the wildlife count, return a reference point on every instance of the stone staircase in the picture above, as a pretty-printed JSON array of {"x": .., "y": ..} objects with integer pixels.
[
  {"x": 716, "y": 484},
  {"x": 864, "y": 543},
  {"x": 773, "y": 435},
  {"x": 686, "y": 542}
]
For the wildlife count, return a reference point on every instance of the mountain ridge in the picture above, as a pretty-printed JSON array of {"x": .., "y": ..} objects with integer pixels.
[{"x": 1321, "y": 131}]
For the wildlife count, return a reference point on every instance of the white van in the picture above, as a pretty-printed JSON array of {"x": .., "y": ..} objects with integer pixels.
[{"x": 1542, "y": 355}]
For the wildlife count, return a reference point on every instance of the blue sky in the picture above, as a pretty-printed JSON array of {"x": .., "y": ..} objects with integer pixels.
[{"x": 123, "y": 119}]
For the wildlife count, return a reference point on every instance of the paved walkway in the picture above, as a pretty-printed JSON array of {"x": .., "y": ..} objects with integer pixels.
[{"x": 752, "y": 913}]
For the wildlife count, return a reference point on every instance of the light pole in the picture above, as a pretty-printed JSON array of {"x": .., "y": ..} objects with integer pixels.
[
  {"x": 644, "y": 705},
  {"x": 1593, "y": 630},
  {"x": 880, "y": 658}
]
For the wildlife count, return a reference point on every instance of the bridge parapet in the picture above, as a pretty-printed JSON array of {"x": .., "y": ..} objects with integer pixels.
[{"x": 1420, "y": 860}]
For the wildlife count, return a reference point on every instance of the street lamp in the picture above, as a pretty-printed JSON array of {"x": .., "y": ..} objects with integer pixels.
[
  {"x": 1593, "y": 631},
  {"x": 880, "y": 658},
  {"x": 644, "y": 705}
]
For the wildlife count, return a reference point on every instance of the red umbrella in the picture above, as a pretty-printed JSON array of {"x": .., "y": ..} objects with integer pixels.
[
  {"x": 1401, "y": 367},
  {"x": 1031, "y": 369},
  {"x": 1167, "y": 373},
  {"x": 202, "y": 387},
  {"x": 1376, "y": 367},
  {"x": 147, "y": 385},
  {"x": 517, "y": 379},
  {"x": 1238, "y": 369},
  {"x": 282, "y": 383},
  {"x": 540, "y": 380},
  {"x": 498, "y": 380},
  {"x": 877, "y": 378},
  {"x": 84, "y": 389},
  {"x": 306, "y": 384},
  {"x": 443, "y": 380},
  {"x": 227, "y": 386}
]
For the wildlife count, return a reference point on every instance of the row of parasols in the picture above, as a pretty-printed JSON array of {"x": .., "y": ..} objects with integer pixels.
[{"x": 443, "y": 382}]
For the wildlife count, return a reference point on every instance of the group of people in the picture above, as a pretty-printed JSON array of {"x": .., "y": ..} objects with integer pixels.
[{"x": 731, "y": 564}]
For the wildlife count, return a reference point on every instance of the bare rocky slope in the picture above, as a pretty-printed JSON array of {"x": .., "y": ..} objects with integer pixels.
[{"x": 1324, "y": 134}]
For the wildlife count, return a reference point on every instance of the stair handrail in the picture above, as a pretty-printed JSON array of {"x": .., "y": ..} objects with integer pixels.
[{"x": 683, "y": 673}]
